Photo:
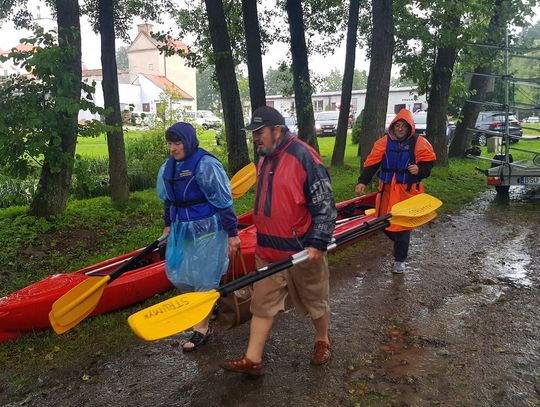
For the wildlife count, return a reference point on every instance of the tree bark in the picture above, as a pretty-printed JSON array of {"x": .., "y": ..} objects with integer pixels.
[
  {"x": 53, "y": 187},
  {"x": 378, "y": 86},
  {"x": 118, "y": 176},
  {"x": 257, "y": 93},
  {"x": 338, "y": 154},
  {"x": 436, "y": 125},
  {"x": 228, "y": 86},
  {"x": 302, "y": 83}
]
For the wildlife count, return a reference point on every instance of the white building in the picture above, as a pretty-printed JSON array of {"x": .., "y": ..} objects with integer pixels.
[
  {"x": 150, "y": 75},
  {"x": 398, "y": 98}
]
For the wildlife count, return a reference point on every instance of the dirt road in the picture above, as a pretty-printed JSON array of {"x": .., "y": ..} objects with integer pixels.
[{"x": 460, "y": 328}]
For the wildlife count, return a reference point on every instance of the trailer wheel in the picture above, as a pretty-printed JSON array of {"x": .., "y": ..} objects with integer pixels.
[{"x": 502, "y": 189}]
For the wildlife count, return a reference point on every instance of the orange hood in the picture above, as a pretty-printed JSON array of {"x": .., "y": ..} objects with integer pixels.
[{"x": 403, "y": 114}]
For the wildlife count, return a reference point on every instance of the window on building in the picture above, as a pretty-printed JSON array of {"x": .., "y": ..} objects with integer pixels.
[
  {"x": 318, "y": 105},
  {"x": 417, "y": 107},
  {"x": 146, "y": 107},
  {"x": 397, "y": 108}
]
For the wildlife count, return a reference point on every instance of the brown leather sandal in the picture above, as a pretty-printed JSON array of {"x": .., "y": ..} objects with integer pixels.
[
  {"x": 321, "y": 352},
  {"x": 244, "y": 365}
]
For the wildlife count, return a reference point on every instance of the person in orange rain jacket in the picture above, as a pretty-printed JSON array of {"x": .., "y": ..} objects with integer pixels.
[{"x": 403, "y": 159}]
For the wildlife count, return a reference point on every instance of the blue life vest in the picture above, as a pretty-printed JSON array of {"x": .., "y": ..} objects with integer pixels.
[
  {"x": 398, "y": 156},
  {"x": 187, "y": 201}
]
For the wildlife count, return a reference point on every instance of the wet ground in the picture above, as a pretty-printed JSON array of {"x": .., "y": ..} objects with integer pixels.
[{"x": 460, "y": 328}]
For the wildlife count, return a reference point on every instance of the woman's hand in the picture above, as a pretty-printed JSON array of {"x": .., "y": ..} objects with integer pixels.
[
  {"x": 314, "y": 254},
  {"x": 413, "y": 169},
  {"x": 234, "y": 244},
  {"x": 166, "y": 230}
]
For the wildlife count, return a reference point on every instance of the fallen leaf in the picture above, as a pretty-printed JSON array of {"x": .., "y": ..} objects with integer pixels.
[
  {"x": 499, "y": 350},
  {"x": 86, "y": 377}
]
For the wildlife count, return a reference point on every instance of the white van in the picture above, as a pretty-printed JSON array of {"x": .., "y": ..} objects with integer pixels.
[{"x": 204, "y": 118}]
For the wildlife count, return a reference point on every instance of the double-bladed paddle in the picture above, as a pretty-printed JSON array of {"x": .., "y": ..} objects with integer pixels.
[{"x": 181, "y": 312}]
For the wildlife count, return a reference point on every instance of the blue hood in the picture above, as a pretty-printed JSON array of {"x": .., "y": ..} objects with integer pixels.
[{"x": 186, "y": 133}]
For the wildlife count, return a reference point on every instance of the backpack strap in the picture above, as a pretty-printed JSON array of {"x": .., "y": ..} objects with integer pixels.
[{"x": 412, "y": 160}]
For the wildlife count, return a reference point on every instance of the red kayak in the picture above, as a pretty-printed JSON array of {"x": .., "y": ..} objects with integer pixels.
[{"x": 27, "y": 309}]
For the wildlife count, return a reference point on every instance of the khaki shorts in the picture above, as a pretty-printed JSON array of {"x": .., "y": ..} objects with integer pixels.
[{"x": 306, "y": 283}]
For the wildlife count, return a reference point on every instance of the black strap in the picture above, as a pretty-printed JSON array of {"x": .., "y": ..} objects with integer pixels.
[
  {"x": 412, "y": 154},
  {"x": 185, "y": 204}
]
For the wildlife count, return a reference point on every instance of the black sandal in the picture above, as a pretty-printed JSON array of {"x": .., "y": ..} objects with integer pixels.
[{"x": 197, "y": 339}]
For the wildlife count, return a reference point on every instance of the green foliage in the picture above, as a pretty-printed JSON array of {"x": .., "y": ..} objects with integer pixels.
[
  {"x": 208, "y": 97},
  {"x": 355, "y": 135},
  {"x": 33, "y": 108},
  {"x": 279, "y": 81},
  {"x": 122, "y": 61}
]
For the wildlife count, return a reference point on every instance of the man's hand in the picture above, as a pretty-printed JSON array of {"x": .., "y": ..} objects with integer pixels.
[
  {"x": 314, "y": 254},
  {"x": 359, "y": 189},
  {"x": 166, "y": 230}
]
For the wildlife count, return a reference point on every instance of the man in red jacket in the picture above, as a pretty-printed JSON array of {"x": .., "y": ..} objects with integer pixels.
[{"x": 294, "y": 210}]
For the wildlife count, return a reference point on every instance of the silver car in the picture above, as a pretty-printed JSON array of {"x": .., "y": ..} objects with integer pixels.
[{"x": 326, "y": 123}]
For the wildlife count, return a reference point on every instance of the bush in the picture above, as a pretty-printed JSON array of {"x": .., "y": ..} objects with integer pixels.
[
  {"x": 90, "y": 177},
  {"x": 355, "y": 136},
  {"x": 14, "y": 191}
]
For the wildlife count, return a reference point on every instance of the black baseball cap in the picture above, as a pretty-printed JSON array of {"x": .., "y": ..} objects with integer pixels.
[{"x": 265, "y": 116}]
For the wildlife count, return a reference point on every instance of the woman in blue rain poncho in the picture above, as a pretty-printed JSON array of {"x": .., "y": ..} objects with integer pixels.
[{"x": 199, "y": 219}]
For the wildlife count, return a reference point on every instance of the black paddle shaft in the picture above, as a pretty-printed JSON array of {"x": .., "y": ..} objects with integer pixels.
[
  {"x": 365, "y": 228},
  {"x": 127, "y": 265}
]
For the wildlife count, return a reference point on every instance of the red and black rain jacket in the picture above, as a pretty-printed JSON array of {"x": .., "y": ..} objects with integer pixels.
[{"x": 294, "y": 205}]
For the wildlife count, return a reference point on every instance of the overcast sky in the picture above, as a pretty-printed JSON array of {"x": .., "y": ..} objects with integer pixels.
[{"x": 319, "y": 64}]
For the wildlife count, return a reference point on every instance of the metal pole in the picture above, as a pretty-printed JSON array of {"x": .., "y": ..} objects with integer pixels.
[{"x": 507, "y": 104}]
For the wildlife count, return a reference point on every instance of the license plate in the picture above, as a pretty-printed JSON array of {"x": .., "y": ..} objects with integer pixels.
[
  {"x": 328, "y": 131},
  {"x": 529, "y": 180}
]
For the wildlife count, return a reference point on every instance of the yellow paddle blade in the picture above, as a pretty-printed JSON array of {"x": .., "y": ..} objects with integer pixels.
[
  {"x": 75, "y": 305},
  {"x": 418, "y": 205},
  {"x": 243, "y": 180},
  {"x": 370, "y": 211},
  {"x": 413, "y": 222},
  {"x": 173, "y": 316}
]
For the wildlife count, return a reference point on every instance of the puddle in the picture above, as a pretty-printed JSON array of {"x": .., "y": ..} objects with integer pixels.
[{"x": 510, "y": 263}]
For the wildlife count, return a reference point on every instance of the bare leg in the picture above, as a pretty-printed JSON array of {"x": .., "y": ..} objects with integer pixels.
[
  {"x": 321, "y": 327},
  {"x": 259, "y": 329}
]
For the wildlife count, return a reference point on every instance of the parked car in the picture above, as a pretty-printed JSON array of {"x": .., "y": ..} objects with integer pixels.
[
  {"x": 326, "y": 123},
  {"x": 290, "y": 122},
  {"x": 494, "y": 125},
  {"x": 420, "y": 123},
  {"x": 204, "y": 118},
  {"x": 532, "y": 119}
]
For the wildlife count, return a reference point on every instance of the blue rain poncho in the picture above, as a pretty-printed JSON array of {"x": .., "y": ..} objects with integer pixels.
[{"x": 197, "y": 251}]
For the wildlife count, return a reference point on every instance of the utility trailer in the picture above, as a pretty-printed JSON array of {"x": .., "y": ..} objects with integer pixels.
[{"x": 505, "y": 173}]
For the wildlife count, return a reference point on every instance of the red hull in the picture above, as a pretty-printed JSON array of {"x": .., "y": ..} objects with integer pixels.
[{"x": 27, "y": 309}]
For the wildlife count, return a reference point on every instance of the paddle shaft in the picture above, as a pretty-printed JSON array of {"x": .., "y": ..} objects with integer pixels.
[
  {"x": 363, "y": 229},
  {"x": 126, "y": 266}
]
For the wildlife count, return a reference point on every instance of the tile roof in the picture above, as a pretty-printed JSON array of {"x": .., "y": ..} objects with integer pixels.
[{"x": 164, "y": 83}]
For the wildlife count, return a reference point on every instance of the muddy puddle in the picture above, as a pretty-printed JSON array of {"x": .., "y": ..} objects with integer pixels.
[{"x": 460, "y": 328}]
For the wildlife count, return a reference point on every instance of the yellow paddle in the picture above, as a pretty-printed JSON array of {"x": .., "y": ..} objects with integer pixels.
[
  {"x": 243, "y": 180},
  {"x": 179, "y": 313}
]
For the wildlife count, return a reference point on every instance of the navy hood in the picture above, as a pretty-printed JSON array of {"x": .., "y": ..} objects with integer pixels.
[{"x": 185, "y": 133}]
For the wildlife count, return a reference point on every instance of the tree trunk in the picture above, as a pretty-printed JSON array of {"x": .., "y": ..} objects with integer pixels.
[
  {"x": 469, "y": 112},
  {"x": 118, "y": 176},
  {"x": 302, "y": 83},
  {"x": 338, "y": 154},
  {"x": 479, "y": 83},
  {"x": 378, "y": 86},
  {"x": 436, "y": 125},
  {"x": 257, "y": 94},
  {"x": 53, "y": 187},
  {"x": 228, "y": 86}
]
